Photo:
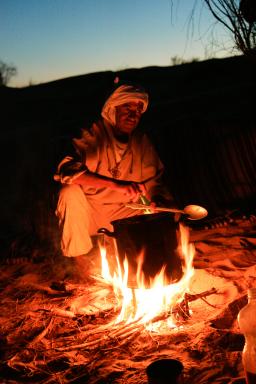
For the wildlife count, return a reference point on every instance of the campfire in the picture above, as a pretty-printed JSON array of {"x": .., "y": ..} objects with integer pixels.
[{"x": 161, "y": 299}]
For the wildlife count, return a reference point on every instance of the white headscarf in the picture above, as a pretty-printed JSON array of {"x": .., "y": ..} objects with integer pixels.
[{"x": 123, "y": 94}]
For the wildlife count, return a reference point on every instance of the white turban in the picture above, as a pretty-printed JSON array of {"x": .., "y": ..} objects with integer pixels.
[{"x": 122, "y": 95}]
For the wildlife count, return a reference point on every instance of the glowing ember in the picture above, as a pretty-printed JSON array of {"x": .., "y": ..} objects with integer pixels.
[{"x": 145, "y": 304}]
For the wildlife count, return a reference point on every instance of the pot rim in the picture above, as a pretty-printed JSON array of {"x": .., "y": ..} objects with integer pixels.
[{"x": 146, "y": 217}]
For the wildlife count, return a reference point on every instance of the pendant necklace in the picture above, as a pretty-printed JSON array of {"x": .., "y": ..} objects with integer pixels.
[{"x": 115, "y": 172}]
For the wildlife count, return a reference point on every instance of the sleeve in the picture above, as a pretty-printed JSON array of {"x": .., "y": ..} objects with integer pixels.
[
  {"x": 69, "y": 169},
  {"x": 152, "y": 172},
  {"x": 83, "y": 158}
]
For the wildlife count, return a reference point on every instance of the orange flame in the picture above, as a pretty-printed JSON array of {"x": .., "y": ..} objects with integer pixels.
[{"x": 144, "y": 304}]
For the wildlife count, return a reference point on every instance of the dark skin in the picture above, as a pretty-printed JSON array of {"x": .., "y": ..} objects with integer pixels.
[{"x": 127, "y": 119}]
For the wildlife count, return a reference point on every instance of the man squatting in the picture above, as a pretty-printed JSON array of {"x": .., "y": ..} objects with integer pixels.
[{"x": 114, "y": 163}]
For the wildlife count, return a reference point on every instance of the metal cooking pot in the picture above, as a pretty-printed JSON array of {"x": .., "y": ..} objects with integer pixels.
[{"x": 155, "y": 236}]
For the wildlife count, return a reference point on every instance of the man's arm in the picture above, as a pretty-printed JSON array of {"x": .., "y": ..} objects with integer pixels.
[
  {"x": 68, "y": 169},
  {"x": 128, "y": 188}
]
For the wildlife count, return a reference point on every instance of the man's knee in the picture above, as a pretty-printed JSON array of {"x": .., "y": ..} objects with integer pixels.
[{"x": 69, "y": 192}]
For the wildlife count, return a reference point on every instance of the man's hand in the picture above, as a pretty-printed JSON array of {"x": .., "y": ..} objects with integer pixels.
[{"x": 131, "y": 189}]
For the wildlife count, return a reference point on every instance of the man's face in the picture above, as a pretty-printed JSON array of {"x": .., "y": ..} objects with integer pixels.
[{"x": 127, "y": 117}]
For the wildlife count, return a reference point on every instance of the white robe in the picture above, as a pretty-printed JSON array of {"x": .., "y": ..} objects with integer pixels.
[{"x": 82, "y": 212}]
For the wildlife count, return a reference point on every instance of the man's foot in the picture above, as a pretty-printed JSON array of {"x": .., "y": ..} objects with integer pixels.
[{"x": 89, "y": 264}]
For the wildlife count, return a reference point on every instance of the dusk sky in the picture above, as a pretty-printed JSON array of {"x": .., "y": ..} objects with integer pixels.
[{"x": 52, "y": 39}]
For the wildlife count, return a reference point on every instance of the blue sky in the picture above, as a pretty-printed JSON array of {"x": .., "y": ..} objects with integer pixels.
[{"x": 52, "y": 39}]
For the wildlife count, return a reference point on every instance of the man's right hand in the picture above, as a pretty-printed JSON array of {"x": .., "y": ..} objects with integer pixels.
[{"x": 131, "y": 189}]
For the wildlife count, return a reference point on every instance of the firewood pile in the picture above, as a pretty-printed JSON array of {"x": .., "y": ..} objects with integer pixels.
[{"x": 64, "y": 331}]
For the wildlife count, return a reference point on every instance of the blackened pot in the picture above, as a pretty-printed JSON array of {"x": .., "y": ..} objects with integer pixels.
[{"x": 155, "y": 236}]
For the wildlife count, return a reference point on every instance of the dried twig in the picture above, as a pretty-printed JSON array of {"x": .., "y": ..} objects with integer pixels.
[
  {"x": 59, "y": 312},
  {"x": 47, "y": 290},
  {"x": 192, "y": 297},
  {"x": 41, "y": 334}
]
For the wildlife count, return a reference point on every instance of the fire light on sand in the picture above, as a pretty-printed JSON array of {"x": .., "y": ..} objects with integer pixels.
[
  {"x": 144, "y": 304},
  {"x": 100, "y": 329}
]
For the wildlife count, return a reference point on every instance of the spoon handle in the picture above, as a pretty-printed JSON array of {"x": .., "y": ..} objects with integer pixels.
[{"x": 163, "y": 209}]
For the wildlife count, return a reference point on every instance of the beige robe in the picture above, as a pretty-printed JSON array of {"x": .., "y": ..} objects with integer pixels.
[{"x": 82, "y": 212}]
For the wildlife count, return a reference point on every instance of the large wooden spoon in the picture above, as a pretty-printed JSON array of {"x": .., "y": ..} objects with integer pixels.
[{"x": 193, "y": 212}]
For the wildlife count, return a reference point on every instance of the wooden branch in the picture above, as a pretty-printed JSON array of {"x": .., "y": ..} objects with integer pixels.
[
  {"x": 41, "y": 334},
  {"x": 48, "y": 290},
  {"x": 58, "y": 311},
  {"x": 190, "y": 297}
]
